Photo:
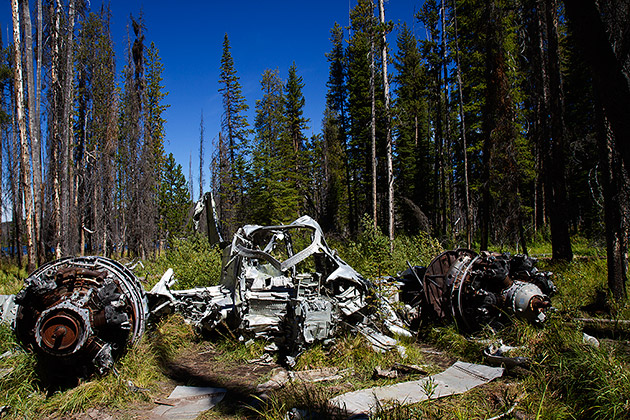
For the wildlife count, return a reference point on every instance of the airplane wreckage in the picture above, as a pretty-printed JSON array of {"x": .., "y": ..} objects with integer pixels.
[{"x": 281, "y": 283}]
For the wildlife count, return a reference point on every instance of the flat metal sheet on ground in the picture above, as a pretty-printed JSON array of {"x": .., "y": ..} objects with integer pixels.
[
  {"x": 187, "y": 402},
  {"x": 457, "y": 379}
]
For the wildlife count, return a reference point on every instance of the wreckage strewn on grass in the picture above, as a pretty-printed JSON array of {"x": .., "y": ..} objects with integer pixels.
[{"x": 281, "y": 283}]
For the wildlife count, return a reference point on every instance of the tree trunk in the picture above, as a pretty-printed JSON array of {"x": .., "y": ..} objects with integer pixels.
[
  {"x": 33, "y": 127},
  {"x": 615, "y": 205},
  {"x": 610, "y": 76},
  {"x": 14, "y": 175},
  {"x": 69, "y": 208},
  {"x": 390, "y": 166},
  {"x": 55, "y": 136},
  {"x": 560, "y": 239},
  {"x": 373, "y": 129},
  {"x": 462, "y": 123},
  {"x": 18, "y": 80}
]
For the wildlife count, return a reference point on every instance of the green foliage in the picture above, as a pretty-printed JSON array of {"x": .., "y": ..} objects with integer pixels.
[
  {"x": 413, "y": 157},
  {"x": 370, "y": 254},
  {"x": 174, "y": 199},
  {"x": 19, "y": 388},
  {"x": 11, "y": 278},
  {"x": 419, "y": 249},
  {"x": 196, "y": 263},
  {"x": 336, "y": 209},
  {"x": 277, "y": 162},
  {"x": 593, "y": 381},
  {"x": 233, "y": 142}
]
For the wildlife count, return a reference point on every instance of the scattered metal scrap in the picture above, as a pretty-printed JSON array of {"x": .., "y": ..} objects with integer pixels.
[
  {"x": 477, "y": 289},
  {"x": 79, "y": 314}
]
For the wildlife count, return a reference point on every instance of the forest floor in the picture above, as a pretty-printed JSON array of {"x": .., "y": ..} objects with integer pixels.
[{"x": 567, "y": 378}]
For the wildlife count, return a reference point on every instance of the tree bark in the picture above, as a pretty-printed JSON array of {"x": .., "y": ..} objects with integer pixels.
[
  {"x": 373, "y": 129},
  {"x": 18, "y": 80},
  {"x": 560, "y": 239},
  {"x": 462, "y": 122},
  {"x": 390, "y": 165},
  {"x": 615, "y": 204},
  {"x": 33, "y": 127},
  {"x": 612, "y": 82},
  {"x": 55, "y": 135}
]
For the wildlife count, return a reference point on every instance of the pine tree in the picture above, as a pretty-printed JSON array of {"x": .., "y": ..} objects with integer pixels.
[
  {"x": 95, "y": 131},
  {"x": 274, "y": 191},
  {"x": 153, "y": 155},
  {"x": 338, "y": 209},
  {"x": 174, "y": 199},
  {"x": 235, "y": 133},
  {"x": 360, "y": 54},
  {"x": 412, "y": 163},
  {"x": 201, "y": 154},
  {"x": 296, "y": 124}
]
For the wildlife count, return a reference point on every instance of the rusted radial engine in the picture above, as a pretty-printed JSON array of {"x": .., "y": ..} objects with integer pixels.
[
  {"x": 485, "y": 289},
  {"x": 80, "y": 314}
]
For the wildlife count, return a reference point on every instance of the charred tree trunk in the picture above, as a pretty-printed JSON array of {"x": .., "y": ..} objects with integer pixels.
[
  {"x": 33, "y": 127},
  {"x": 462, "y": 122},
  {"x": 373, "y": 129},
  {"x": 615, "y": 183},
  {"x": 390, "y": 166},
  {"x": 18, "y": 80}
]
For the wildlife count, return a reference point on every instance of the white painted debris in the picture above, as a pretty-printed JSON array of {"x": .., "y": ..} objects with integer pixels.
[
  {"x": 281, "y": 376},
  {"x": 187, "y": 402},
  {"x": 457, "y": 379}
]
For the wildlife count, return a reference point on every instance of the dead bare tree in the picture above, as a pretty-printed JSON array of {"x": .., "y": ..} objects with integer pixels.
[
  {"x": 390, "y": 166},
  {"x": 34, "y": 130},
  {"x": 18, "y": 80}
]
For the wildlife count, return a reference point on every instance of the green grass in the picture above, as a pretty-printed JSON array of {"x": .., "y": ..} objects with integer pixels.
[
  {"x": 568, "y": 379},
  {"x": 196, "y": 264}
]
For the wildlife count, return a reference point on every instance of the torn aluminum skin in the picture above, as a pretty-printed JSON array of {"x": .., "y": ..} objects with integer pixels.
[{"x": 285, "y": 284}]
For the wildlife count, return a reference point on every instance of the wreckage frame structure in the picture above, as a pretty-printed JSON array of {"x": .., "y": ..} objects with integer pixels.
[{"x": 280, "y": 283}]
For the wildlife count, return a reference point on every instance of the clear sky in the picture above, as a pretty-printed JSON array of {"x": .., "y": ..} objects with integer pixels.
[{"x": 263, "y": 35}]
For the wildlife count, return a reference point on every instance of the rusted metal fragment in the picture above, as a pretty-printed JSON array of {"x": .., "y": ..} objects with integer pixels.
[
  {"x": 80, "y": 314},
  {"x": 457, "y": 379},
  {"x": 477, "y": 289}
]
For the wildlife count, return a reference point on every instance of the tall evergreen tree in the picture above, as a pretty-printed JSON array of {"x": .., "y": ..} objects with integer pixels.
[
  {"x": 296, "y": 124},
  {"x": 360, "y": 53},
  {"x": 174, "y": 199},
  {"x": 235, "y": 131},
  {"x": 153, "y": 154},
  {"x": 338, "y": 210},
  {"x": 412, "y": 164},
  {"x": 273, "y": 193}
]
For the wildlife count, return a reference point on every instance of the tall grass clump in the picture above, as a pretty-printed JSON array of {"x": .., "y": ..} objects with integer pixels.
[
  {"x": 195, "y": 262},
  {"x": 578, "y": 282},
  {"x": 19, "y": 383},
  {"x": 591, "y": 380},
  {"x": 11, "y": 278}
]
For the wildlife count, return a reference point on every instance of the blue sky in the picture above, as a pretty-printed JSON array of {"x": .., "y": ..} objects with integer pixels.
[{"x": 263, "y": 35}]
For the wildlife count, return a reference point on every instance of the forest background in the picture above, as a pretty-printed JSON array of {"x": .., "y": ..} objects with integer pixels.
[{"x": 507, "y": 122}]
